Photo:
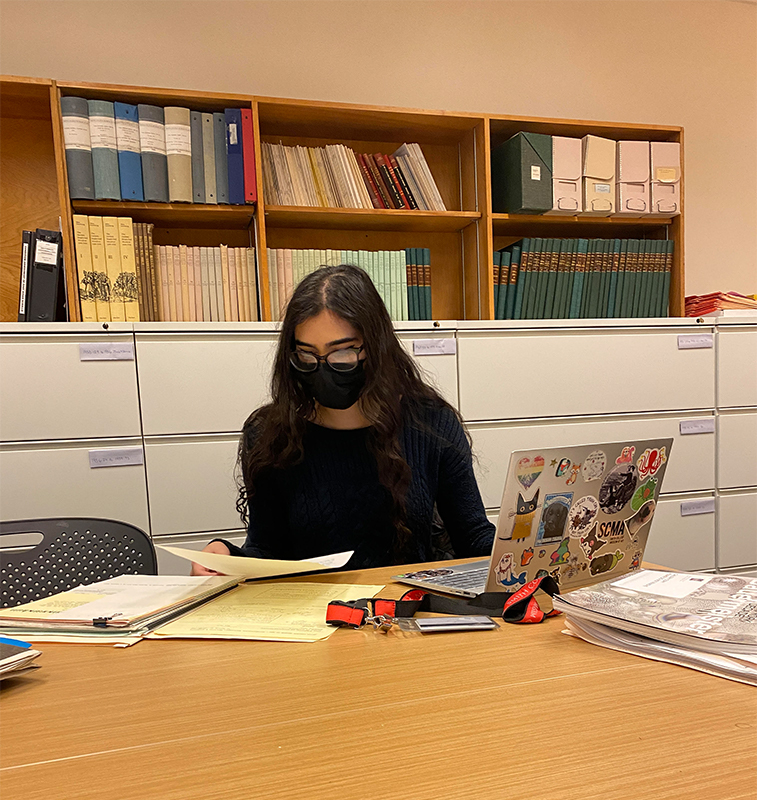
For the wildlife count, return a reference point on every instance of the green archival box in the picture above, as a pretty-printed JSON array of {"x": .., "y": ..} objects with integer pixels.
[{"x": 522, "y": 174}]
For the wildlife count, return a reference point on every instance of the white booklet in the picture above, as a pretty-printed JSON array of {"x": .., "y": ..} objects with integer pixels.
[
  {"x": 710, "y": 613},
  {"x": 245, "y": 567}
]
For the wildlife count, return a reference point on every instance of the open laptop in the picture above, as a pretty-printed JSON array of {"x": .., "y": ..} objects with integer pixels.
[{"x": 579, "y": 514}]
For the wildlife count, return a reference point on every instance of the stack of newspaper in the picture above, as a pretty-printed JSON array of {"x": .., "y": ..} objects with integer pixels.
[{"x": 705, "y": 622}]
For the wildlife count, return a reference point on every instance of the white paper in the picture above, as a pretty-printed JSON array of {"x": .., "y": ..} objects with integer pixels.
[
  {"x": 106, "y": 351},
  {"x": 602, "y": 188},
  {"x": 434, "y": 347},
  {"x": 233, "y": 137},
  {"x": 691, "y": 426},
  {"x": 695, "y": 341},
  {"x": 664, "y": 584},
  {"x": 127, "y": 135},
  {"x": 152, "y": 137},
  {"x": 76, "y": 133},
  {"x": 178, "y": 142},
  {"x": 257, "y": 567},
  {"x": 102, "y": 132},
  {"x": 116, "y": 457},
  {"x": 46, "y": 252},
  {"x": 691, "y": 507},
  {"x": 535, "y": 173}
]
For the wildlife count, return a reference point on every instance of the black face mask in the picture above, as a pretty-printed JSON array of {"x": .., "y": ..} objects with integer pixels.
[{"x": 333, "y": 389}]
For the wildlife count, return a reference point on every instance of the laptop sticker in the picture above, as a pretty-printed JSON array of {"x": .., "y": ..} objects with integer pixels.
[
  {"x": 574, "y": 567},
  {"x": 606, "y": 562},
  {"x": 574, "y": 470},
  {"x": 643, "y": 493},
  {"x": 528, "y": 471},
  {"x": 560, "y": 556},
  {"x": 640, "y": 518},
  {"x": 563, "y": 465},
  {"x": 581, "y": 515},
  {"x": 593, "y": 466},
  {"x": 526, "y": 556},
  {"x": 554, "y": 515},
  {"x": 650, "y": 461},
  {"x": 543, "y": 573},
  {"x": 591, "y": 542},
  {"x": 524, "y": 516},
  {"x": 504, "y": 572},
  {"x": 626, "y": 455},
  {"x": 618, "y": 488},
  {"x": 636, "y": 560},
  {"x": 612, "y": 530}
]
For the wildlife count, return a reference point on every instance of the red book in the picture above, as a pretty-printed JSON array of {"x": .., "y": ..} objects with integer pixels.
[
  {"x": 248, "y": 149},
  {"x": 379, "y": 179},
  {"x": 383, "y": 164},
  {"x": 370, "y": 183}
]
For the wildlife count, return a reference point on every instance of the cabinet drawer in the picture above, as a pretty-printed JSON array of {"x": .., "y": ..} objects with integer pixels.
[
  {"x": 439, "y": 370},
  {"x": 691, "y": 466},
  {"x": 737, "y": 368},
  {"x": 57, "y": 481},
  {"x": 685, "y": 543},
  {"x": 202, "y": 383},
  {"x": 530, "y": 374},
  {"x": 737, "y": 529},
  {"x": 192, "y": 486},
  {"x": 737, "y": 449},
  {"x": 47, "y": 392}
]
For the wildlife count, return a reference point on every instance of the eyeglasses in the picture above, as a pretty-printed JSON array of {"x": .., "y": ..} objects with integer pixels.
[{"x": 344, "y": 360}]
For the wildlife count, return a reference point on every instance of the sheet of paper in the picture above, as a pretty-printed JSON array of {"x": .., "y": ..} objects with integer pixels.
[
  {"x": 665, "y": 584},
  {"x": 282, "y": 612},
  {"x": 258, "y": 567}
]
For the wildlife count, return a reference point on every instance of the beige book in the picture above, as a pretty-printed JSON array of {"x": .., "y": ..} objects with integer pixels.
[
  {"x": 362, "y": 189},
  {"x": 128, "y": 268},
  {"x": 205, "y": 285},
  {"x": 185, "y": 307},
  {"x": 233, "y": 289},
  {"x": 100, "y": 268},
  {"x": 177, "y": 282},
  {"x": 218, "y": 264},
  {"x": 252, "y": 284},
  {"x": 178, "y": 154},
  {"x": 113, "y": 266},
  {"x": 160, "y": 260},
  {"x": 143, "y": 270},
  {"x": 87, "y": 283},
  {"x": 243, "y": 289},
  {"x": 212, "y": 288},
  {"x": 191, "y": 280},
  {"x": 152, "y": 274},
  {"x": 167, "y": 251},
  {"x": 225, "y": 282},
  {"x": 198, "y": 283}
]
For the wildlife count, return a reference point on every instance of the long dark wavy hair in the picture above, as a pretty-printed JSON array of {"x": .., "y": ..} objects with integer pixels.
[{"x": 272, "y": 437}]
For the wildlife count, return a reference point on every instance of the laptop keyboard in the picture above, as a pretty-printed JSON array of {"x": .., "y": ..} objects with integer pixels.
[{"x": 474, "y": 578}]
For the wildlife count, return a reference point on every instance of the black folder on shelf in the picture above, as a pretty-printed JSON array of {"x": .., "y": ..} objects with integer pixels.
[{"x": 45, "y": 292}]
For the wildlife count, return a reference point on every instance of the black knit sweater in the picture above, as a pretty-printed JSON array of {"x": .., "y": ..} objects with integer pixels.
[{"x": 332, "y": 501}]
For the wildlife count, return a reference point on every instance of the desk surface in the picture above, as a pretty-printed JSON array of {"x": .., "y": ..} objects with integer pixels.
[{"x": 521, "y": 712}]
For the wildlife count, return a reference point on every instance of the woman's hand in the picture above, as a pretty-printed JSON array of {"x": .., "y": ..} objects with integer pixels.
[{"x": 213, "y": 547}]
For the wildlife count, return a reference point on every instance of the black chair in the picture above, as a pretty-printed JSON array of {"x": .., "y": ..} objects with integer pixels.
[{"x": 72, "y": 552}]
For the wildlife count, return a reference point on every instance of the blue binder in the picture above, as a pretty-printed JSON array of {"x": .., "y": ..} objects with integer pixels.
[
  {"x": 129, "y": 158},
  {"x": 234, "y": 155}
]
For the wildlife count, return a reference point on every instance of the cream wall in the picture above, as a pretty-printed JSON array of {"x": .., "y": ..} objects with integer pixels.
[{"x": 683, "y": 63}]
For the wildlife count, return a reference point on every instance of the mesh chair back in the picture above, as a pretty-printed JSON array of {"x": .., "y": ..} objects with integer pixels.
[{"x": 72, "y": 552}]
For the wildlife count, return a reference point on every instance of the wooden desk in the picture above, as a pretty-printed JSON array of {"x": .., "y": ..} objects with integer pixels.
[{"x": 521, "y": 713}]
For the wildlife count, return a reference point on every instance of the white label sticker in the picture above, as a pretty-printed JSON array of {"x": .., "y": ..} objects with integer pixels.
[
  {"x": 535, "y": 173},
  {"x": 24, "y": 275},
  {"x": 695, "y": 341},
  {"x": 434, "y": 347},
  {"x": 127, "y": 135},
  {"x": 106, "y": 351},
  {"x": 76, "y": 133},
  {"x": 102, "y": 132},
  {"x": 691, "y": 507},
  {"x": 46, "y": 252},
  {"x": 233, "y": 137},
  {"x": 663, "y": 584},
  {"x": 602, "y": 188},
  {"x": 152, "y": 137},
  {"x": 178, "y": 140},
  {"x": 116, "y": 457},
  {"x": 689, "y": 426}
]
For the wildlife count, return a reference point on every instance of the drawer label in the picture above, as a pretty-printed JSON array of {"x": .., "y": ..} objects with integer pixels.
[
  {"x": 689, "y": 426},
  {"x": 116, "y": 457},
  {"x": 434, "y": 347},
  {"x": 695, "y": 341},
  {"x": 691, "y": 507},
  {"x": 106, "y": 351}
]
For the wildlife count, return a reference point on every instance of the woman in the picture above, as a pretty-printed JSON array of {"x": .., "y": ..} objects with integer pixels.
[{"x": 355, "y": 451}]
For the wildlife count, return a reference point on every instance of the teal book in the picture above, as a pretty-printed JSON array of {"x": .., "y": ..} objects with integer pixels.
[
  {"x": 659, "y": 280},
  {"x": 595, "y": 298},
  {"x": 616, "y": 285},
  {"x": 427, "y": 281},
  {"x": 551, "y": 300},
  {"x": 409, "y": 283},
  {"x": 515, "y": 259},
  {"x": 525, "y": 257},
  {"x": 588, "y": 276},
  {"x": 641, "y": 266},
  {"x": 562, "y": 279},
  {"x": 608, "y": 262},
  {"x": 647, "y": 283},
  {"x": 540, "y": 285},
  {"x": 665, "y": 298},
  {"x": 505, "y": 257},
  {"x": 496, "y": 276},
  {"x": 531, "y": 277},
  {"x": 630, "y": 280},
  {"x": 414, "y": 271},
  {"x": 577, "y": 282},
  {"x": 570, "y": 277},
  {"x": 399, "y": 258},
  {"x": 102, "y": 133}
]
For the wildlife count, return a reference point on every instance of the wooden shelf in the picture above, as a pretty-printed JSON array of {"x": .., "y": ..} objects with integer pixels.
[
  {"x": 171, "y": 214},
  {"x": 367, "y": 219},
  {"x": 580, "y": 226}
]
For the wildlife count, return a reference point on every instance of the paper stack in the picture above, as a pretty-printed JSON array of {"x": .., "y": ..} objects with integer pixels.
[
  {"x": 16, "y": 657},
  {"x": 706, "y": 622}
]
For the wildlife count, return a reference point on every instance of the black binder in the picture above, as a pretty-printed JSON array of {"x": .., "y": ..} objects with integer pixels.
[
  {"x": 45, "y": 295},
  {"x": 26, "y": 274}
]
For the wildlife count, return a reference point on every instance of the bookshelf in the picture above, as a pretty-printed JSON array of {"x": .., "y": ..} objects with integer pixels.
[{"x": 457, "y": 147}]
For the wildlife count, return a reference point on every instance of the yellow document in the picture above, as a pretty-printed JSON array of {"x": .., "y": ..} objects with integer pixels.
[{"x": 279, "y": 612}]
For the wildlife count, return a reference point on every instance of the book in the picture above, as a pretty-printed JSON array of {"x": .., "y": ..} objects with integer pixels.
[
  {"x": 44, "y": 276},
  {"x": 225, "y": 283},
  {"x": 129, "y": 156},
  {"x": 209, "y": 159},
  {"x": 222, "y": 166},
  {"x": 506, "y": 260},
  {"x": 253, "y": 285},
  {"x": 78, "y": 146},
  {"x": 102, "y": 133},
  {"x": 99, "y": 269},
  {"x": 248, "y": 147},
  {"x": 235, "y": 156},
  {"x": 127, "y": 279},
  {"x": 198, "y": 162},
  {"x": 218, "y": 271},
  {"x": 178, "y": 154},
  {"x": 111, "y": 242},
  {"x": 152, "y": 143}
]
